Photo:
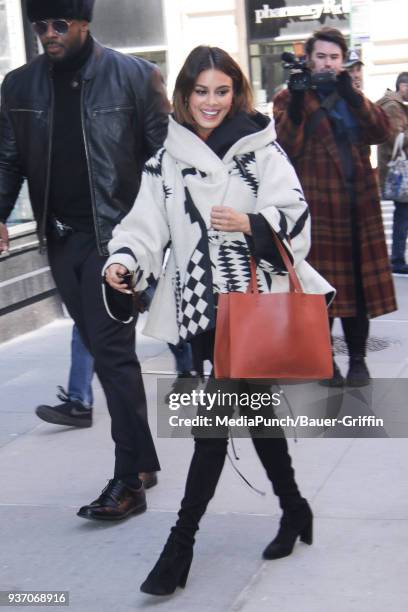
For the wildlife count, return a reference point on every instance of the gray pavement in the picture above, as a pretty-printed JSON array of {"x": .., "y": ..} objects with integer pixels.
[{"x": 357, "y": 488}]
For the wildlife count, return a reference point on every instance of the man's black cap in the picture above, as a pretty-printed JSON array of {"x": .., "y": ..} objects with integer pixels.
[{"x": 64, "y": 9}]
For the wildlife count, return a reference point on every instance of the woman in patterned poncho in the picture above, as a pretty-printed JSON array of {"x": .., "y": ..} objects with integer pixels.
[{"x": 215, "y": 190}]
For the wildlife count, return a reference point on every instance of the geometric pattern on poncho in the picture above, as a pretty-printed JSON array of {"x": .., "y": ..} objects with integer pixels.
[
  {"x": 197, "y": 300},
  {"x": 194, "y": 307}
]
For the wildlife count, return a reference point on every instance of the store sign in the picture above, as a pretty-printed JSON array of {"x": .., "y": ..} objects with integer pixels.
[{"x": 304, "y": 12}]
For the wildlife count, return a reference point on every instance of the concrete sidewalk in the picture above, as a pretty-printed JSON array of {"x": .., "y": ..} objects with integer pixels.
[{"x": 357, "y": 489}]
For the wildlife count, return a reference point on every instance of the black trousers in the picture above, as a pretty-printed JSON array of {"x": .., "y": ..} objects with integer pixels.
[
  {"x": 77, "y": 266},
  {"x": 356, "y": 332},
  {"x": 356, "y": 329}
]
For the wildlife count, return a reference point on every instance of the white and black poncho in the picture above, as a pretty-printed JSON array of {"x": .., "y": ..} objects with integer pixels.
[{"x": 180, "y": 185}]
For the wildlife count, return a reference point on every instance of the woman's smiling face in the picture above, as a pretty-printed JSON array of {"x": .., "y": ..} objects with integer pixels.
[{"x": 210, "y": 101}]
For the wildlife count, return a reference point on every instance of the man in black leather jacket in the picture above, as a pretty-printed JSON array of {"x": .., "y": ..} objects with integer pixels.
[{"x": 78, "y": 123}]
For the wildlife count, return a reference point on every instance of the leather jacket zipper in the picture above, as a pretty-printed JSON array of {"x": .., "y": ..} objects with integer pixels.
[
  {"x": 26, "y": 110},
  {"x": 48, "y": 180},
  {"x": 91, "y": 187}
]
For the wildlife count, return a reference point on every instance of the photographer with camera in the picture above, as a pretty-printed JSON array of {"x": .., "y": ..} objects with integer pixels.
[{"x": 326, "y": 126}]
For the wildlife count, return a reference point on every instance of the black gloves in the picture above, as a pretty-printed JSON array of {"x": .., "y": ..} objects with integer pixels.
[
  {"x": 299, "y": 82},
  {"x": 346, "y": 90}
]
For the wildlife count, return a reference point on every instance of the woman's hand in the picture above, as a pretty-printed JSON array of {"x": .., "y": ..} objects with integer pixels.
[
  {"x": 114, "y": 277},
  {"x": 226, "y": 219}
]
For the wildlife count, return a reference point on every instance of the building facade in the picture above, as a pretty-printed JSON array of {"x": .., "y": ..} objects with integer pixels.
[{"x": 379, "y": 27}]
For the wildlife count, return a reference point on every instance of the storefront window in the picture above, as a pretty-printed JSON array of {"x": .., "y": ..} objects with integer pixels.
[
  {"x": 266, "y": 69},
  {"x": 129, "y": 23},
  {"x": 135, "y": 27}
]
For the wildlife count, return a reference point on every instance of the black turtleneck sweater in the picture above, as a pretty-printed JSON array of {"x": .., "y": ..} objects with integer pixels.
[{"x": 70, "y": 196}]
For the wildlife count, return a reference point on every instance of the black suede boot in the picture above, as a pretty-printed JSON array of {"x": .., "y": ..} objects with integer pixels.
[
  {"x": 297, "y": 517},
  {"x": 294, "y": 523},
  {"x": 173, "y": 565},
  {"x": 356, "y": 331},
  {"x": 358, "y": 374}
]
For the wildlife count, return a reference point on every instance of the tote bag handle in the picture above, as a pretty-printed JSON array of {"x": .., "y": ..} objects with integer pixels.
[
  {"x": 294, "y": 283},
  {"x": 398, "y": 150}
]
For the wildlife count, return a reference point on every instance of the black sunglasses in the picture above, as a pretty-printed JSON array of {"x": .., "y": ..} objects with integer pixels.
[{"x": 60, "y": 26}]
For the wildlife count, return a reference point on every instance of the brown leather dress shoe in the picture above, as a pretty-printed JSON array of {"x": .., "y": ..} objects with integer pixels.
[
  {"x": 149, "y": 479},
  {"x": 116, "y": 502}
]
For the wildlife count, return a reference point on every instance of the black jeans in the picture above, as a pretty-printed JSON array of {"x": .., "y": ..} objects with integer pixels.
[
  {"x": 77, "y": 266},
  {"x": 399, "y": 234}
]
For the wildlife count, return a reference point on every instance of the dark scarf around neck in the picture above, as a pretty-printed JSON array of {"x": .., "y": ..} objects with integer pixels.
[
  {"x": 232, "y": 129},
  {"x": 75, "y": 62}
]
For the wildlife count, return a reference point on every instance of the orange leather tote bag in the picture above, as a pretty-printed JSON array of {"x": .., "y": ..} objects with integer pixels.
[{"x": 273, "y": 335}]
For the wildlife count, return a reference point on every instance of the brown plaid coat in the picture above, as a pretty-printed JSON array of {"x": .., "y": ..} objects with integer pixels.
[{"x": 319, "y": 168}]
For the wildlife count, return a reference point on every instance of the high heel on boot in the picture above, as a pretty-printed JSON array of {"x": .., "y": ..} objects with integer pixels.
[
  {"x": 306, "y": 535},
  {"x": 171, "y": 570},
  {"x": 293, "y": 524}
]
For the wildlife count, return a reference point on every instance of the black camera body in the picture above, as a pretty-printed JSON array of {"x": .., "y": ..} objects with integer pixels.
[{"x": 301, "y": 77}]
